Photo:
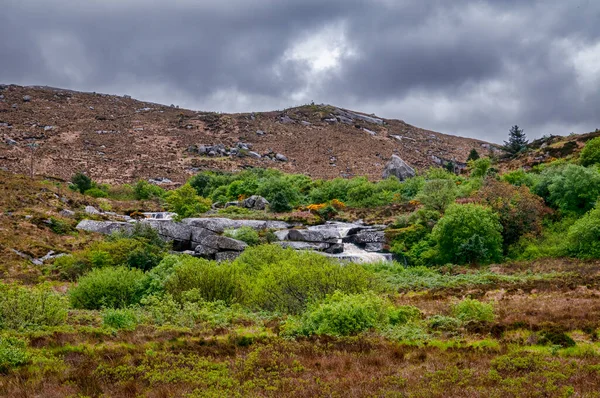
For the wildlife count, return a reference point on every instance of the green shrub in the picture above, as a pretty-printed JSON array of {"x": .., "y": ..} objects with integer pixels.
[
  {"x": 403, "y": 314},
  {"x": 519, "y": 178},
  {"x": 245, "y": 234},
  {"x": 124, "y": 318},
  {"x": 60, "y": 227},
  {"x": 143, "y": 190},
  {"x": 286, "y": 280},
  {"x": 31, "y": 308},
  {"x": 213, "y": 281},
  {"x": 480, "y": 167},
  {"x": 438, "y": 194},
  {"x": 117, "y": 287},
  {"x": 13, "y": 353},
  {"x": 520, "y": 212},
  {"x": 556, "y": 338},
  {"x": 584, "y": 236},
  {"x": 80, "y": 182},
  {"x": 473, "y": 311},
  {"x": 96, "y": 193},
  {"x": 280, "y": 203},
  {"x": 444, "y": 323},
  {"x": 571, "y": 188},
  {"x": 468, "y": 234},
  {"x": 186, "y": 203},
  {"x": 590, "y": 154},
  {"x": 342, "y": 315},
  {"x": 473, "y": 155},
  {"x": 411, "y": 332}
]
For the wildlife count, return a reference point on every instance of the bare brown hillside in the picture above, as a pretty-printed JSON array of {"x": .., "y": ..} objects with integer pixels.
[{"x": 119, "y": 139}]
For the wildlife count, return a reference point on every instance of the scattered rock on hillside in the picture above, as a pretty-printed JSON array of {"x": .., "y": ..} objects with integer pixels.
[
  {"x": 256, "y": 202},
  {"x": 26, "y": 98},
  {"x": 305, "y": 235},
  {"x": 104, "y": 227},
  {"x": 281, "y": 157},
  {"x": 92, "y": 210},
  {"x": 397, "y": 167}
]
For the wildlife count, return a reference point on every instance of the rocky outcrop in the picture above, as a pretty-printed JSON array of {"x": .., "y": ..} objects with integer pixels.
[
  {"x": 397, "y": 167},
  {"x": 104, "y": 227},
  {"x": 220, "y": 247},
  {"x": 219, "y": 225},
  {"x": 305, "y": 235}
]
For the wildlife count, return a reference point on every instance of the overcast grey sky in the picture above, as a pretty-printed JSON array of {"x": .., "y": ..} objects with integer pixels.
[{"x": 466, "y": 67}]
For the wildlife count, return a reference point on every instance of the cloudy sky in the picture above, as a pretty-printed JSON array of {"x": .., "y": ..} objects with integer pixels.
[{"x": 466, "y": 67}]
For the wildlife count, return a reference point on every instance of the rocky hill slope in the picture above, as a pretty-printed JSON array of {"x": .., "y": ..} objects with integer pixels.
[{"x": 116, "y": 139}]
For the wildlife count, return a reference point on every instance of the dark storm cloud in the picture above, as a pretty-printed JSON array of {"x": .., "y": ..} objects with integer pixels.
[{"x": 470, "y": 67}]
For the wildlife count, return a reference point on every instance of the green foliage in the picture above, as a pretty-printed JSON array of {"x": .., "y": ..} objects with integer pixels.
[
  {"x": 411, "y": 332},
  {"x": 571, "y": 188},
  {"x": 31, "y": 308},
  {"x": 123, "y": 318},
  {"x": 444, "y": 323},
  {"x": 245, "y": 234},
  {"x": 80, "y": 182},
  {"x": 96, "y": 193},
  {"x": 551, "y": 243},
  {"x": 438, "y": 194},
  {"x": 212, "y": 280},
  {"x": 480, "y": 167},
  {"x": 117, "y": 287},
  {"x": 397, "y": 277},
  {"x": 584, "y": 236},
  {"x": 519, "y": 178},
  {"x": 59, "y": 226},
  {"x": 285, "y": 280},
  {"x": 517, "y": 141},
  {"x": 13, "y": 353},
  {"x": 473, "y": 155},
  {"x": 556, "y": 338},
  {"x": 342, "y": 315},
  {"x": 590, "y": 154},
  {"x": 403, "y": 314},
  {"x": 468, "y": 234},
  {"x": 520, "y": 212},
  {"x": 186, "y": 203},
  {"x": 280, "y": 203},
  {"x": 473, "y": 311},
  {"x": 143, "y": 190}
]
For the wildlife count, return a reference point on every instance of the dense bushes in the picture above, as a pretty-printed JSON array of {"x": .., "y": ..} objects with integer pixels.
[
  {"x": 24, "y": 308},
  {"x": 520, "y": 211},
  {"x": 590, "y": 154},
  {"x": 186, "y": 203},
  {"x": 438, "y": 194},
  {"x": 342, "y": 315},
  {"x": 116, "y": 287},
  {"x": 473, "y": 311},
  {"x": 584, "y": 236},
  {"x": 468, "y": 233},
  {"x": 570, "y": 188},
  {"x": 13, "y": 353},
  {"x": 285, "y": 280},
  {"x": 245, "y": 234}
]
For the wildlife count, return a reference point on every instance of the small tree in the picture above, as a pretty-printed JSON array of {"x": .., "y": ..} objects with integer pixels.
[
  {"x": 468, "y": 234},
  {"x": 80, "y": 182},
  {"x": 186, "y": 203},
  {"x": 517, "y": 140},
  {"x": 590, "y": 154},
  {"x": 473, "y": 155}
]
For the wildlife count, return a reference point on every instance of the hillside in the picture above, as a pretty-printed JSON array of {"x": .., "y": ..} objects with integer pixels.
[{"x": 118, "y": 139}]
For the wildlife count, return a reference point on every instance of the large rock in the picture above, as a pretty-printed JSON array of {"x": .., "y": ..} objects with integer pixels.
[
  {"x": 304, "y": 245},
  {"x": 328, "y": 232},
  {"x": 365, "y": 237},
  {"x": 398, "y": 167},
  {"x": 199, "y": 234},
  {"x": 224, "y": 243},
  {"x": 171, "y": 231},
  {"x": 282, "y": 235},
  {"x": 104, "y": 227},
  {"x": 305, "y": 235},
  {"x": 219, "y": 225},
  {"x": 336, "y": 248},
  {"x": 256, "y": 202},
  {"x": 205, "y": 252},
  {"x": 92, "y": 210}
]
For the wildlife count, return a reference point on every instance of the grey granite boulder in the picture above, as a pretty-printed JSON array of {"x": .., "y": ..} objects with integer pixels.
[
  {"x": 256, "y": 202},
  {"x": 224, "y": 243},
  {"x": 305, "y": 235},
  {"x": 398, "y": 167},
  {"x": 104, "y": 227}
]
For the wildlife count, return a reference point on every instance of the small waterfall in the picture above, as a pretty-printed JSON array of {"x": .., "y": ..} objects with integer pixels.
[{"x": 351, "y": 251}]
